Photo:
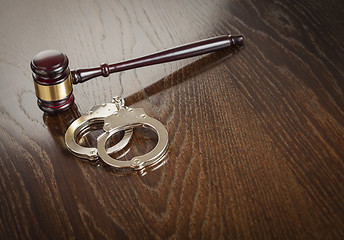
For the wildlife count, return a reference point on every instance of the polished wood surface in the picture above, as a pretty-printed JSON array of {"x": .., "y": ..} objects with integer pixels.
[{"x": 256, "y": 135}]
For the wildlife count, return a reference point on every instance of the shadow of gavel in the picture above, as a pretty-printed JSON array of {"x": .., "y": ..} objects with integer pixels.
[{"x": 53, "y": 79}]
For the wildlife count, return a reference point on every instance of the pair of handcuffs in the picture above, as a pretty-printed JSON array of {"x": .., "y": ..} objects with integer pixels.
[{"x": 116, "y": 117}]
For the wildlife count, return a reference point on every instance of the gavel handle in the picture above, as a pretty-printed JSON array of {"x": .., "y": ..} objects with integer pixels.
[{"x": 173, "y": 54}]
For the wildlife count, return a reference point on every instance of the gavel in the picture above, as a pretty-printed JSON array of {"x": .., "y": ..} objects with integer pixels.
[{"x": 53, "y": 79}]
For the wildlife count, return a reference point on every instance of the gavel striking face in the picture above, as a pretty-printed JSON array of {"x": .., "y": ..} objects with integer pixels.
[{"x": 53, "y": 79}]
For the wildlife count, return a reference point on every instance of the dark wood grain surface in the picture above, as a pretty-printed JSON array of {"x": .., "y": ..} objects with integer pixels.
[{"x": 256, "y": 135}]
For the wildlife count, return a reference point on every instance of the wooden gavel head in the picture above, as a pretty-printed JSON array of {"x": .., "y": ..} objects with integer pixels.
[{"x": 53, "y": 79}]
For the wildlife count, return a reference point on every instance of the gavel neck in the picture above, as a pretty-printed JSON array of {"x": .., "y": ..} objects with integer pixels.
[{"x": 82, "y": 75}]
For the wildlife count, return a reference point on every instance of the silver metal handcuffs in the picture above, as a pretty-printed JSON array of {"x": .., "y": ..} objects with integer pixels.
[
  {"x": 95, "y": 116},
  {"x": 116, "y": 117},
  {"x": 127, "y": 118}
]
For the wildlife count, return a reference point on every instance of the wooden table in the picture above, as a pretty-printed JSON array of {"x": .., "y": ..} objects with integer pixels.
[{"x": 256, "y": 135}]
